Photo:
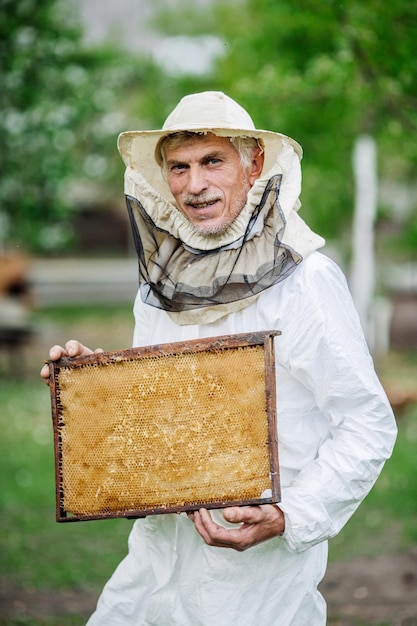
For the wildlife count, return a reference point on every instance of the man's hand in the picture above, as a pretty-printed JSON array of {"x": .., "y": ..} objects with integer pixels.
[
  {"x": 258, "y": 523},
  {"x": 72, "y": 348}
]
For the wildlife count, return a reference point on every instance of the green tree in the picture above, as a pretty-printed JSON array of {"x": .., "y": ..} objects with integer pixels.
[
  {"x": 324, "y": 73},
  {"x": 60, "y": 118}
]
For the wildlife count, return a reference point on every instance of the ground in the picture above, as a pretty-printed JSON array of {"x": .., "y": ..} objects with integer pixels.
[
  {"x": 360, "y": 592},
  {"x": 373, "y": 591}
]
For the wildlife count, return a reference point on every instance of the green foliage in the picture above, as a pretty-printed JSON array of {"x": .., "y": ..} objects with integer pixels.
[
  {"x": 322, "y": 73},
  {"x": 399, "y": 240},
  {"x": 410, "y": 238},
  {"x": 60, "y": 118}
]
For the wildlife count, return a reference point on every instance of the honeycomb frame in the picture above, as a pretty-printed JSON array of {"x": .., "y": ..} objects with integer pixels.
[{"x": 166, "y": 428}]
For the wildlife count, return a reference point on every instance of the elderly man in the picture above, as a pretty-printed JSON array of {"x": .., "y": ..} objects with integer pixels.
[{"x": 214, "y": 210}]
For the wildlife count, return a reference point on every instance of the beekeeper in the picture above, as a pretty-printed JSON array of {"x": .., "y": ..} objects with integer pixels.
[{"x": 214, "y": 206}]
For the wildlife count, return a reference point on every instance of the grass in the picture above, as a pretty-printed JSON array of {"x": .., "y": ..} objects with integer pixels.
[
  {"x": 39, "y": 554},
  {"x": 386, "y": 520},
  {"x": 36, "y": 551}
]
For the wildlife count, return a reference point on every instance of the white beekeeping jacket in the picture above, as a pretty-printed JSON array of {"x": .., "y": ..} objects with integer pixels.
[{"x": 335, "y": 430}]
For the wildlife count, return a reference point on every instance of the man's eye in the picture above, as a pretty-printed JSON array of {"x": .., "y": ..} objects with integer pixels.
[{"x": 178, "y": 167}]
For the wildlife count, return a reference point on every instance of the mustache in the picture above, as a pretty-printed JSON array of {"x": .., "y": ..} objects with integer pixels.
[{"x": 200, "y": 198}]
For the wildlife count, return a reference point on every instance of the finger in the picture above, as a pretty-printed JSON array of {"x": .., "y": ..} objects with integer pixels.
[
  {"x": 244, "y": 514},
  {"x": 215, "y": 535},
  {"x": 206, "y": 527},
  {"x": 258, "y": 523},
  {"x": 200, "y": 526},
  {"x": 233, "y": 514},
  {"x": 76, "y": 348},
  {"x": 268, "y": 519},
  {"x": 251, "y": 514},
  {"x": 73, "y": 348},
  {"x": 45, "y": 373},
  {"x": 56, "y": 352}
]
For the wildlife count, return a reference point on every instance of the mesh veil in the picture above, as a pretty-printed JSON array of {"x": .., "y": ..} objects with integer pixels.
[{"x": 177, "y": 278}]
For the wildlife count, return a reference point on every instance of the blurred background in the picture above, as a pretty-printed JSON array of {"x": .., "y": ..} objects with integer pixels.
[{"x": 341, "y": 79}]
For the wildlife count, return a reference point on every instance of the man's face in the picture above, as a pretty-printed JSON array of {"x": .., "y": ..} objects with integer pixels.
[{"x": 208, "y": 182}]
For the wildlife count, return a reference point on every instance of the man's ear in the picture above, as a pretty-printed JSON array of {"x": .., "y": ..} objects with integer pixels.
[{"x": 257, "y": 165}]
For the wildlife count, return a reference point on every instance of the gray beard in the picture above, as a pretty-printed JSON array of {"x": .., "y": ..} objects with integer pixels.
[{"x": 212, "y": 231}]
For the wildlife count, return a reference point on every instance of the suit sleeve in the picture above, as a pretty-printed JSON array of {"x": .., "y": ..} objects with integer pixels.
[{"x": 326, "y": 352}]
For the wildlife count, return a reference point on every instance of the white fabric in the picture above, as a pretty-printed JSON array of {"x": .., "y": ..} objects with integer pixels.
[
  {"x": 335, "y": 429},
  {"x": 166, "y": 216},
  {"x": 167, "y": 222},
  {"x": 208, "y": 111}
]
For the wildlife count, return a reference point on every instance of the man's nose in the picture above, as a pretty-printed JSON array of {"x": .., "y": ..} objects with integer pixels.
[{"x": 197, "y": 180}]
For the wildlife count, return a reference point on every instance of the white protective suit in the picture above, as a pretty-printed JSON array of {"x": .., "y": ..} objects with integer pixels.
[{"x": 335, "y": 430}]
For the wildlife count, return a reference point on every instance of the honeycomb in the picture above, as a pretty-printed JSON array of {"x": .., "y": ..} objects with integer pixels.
[{"x": 162, "y": 432}]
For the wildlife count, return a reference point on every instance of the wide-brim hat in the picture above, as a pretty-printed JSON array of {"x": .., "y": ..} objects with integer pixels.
[{"x": 205, "y": 112}]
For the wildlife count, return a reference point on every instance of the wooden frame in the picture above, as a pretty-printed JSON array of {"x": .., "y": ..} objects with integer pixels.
[{"x": 108, "y": 405}]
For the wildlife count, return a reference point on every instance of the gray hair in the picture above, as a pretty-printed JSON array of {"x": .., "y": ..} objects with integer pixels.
[{"x": 244, "y": 145}]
